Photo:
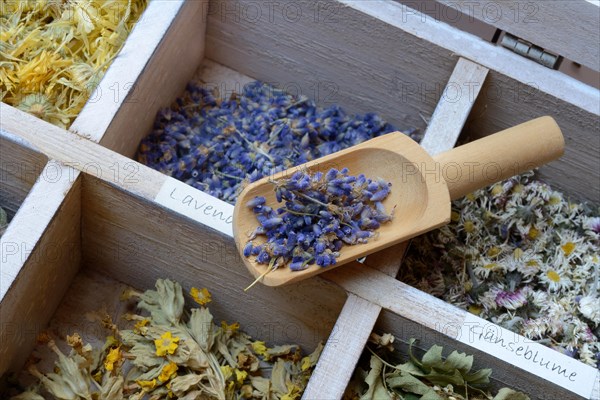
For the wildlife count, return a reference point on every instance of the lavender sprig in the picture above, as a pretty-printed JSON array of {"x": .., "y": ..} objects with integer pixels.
[{"x": 321, "y": 213}]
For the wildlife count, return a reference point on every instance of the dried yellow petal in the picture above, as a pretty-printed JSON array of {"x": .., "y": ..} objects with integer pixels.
[
  {"x": 259, "y": 348},
  {"x": 147, "y": 385}
]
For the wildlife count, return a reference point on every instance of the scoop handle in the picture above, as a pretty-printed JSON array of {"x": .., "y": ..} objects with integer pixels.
[{"x": 500, "y": 156}]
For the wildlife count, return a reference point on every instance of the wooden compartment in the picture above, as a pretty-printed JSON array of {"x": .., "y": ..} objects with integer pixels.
[
  {"x": 397, "y": 308},
  {"x": 105, "y": 238},
  {"x": 364, "y": 56},
  {"x": 25, "y": 179},
  {"x": 120, "y": 77},
  {"x": 504, "y": 373},
  {"x": 20, "y": 168}
]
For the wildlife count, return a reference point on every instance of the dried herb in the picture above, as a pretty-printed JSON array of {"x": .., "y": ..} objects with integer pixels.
[
  {"x": 430, "y": 378},
  {"x": 173, "y": 352},
  {"x": 521, "y": 255},
  {"x": 54, "y": 53},
  {"x": 321, "y": 213},
  {"x": 217, "y": 144}
]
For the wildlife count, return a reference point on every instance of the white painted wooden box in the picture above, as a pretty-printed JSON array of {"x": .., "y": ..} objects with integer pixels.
[{"x": 100, "y": 221}]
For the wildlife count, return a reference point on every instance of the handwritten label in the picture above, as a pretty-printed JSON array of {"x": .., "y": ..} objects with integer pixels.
[
  {"x": 196, "y": 205},
  {"x": 524, "y": 353}
]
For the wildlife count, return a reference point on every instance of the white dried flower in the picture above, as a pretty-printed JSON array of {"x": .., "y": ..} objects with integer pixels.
[
  {"x": 589, "y": 306},
  {"x": 586, "y": 355}
]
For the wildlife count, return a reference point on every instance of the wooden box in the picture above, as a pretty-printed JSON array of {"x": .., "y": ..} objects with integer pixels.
[
  {"x": 20, "y": 169},
  {"x": 111, "y": 224}
]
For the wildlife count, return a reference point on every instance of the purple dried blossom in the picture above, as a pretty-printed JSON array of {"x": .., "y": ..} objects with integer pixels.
[
  {"x": 593, "y": 224},
  {"x": 511, "y": 300},
  {"x": 217, "y": 144},
  {"x": 315, "y": 222}
]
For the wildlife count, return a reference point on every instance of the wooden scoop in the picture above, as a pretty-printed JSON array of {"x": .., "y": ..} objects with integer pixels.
[{"x": 422, "y": 186}]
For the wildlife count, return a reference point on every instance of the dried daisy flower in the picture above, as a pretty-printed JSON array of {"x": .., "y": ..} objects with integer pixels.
[
  {"x": 520, "y": 255},
  {"x": 54, "y": 53}
]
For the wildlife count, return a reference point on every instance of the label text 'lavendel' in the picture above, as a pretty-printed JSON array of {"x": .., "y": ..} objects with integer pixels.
[
  {"x": 200, "y": 206},
  {"x": 196, "y": 205}
]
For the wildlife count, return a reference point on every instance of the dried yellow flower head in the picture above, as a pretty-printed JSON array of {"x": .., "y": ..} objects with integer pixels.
[
  {"x": 260, "y": 348},
  {"x": 553, "y": 276},
  {"x": 201, "y": 296},
  {"x": 113, "y": 357},
  {"x": 232, "y": 328},
  {"x": 568, "y": 248},
  {"x": 469, "y": 226},
  {"x": 168, "y": 372},
  {"x": 166, "y": 344}
]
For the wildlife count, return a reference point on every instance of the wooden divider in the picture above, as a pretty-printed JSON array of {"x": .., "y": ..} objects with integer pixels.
[{"x": 358, "y": 317}]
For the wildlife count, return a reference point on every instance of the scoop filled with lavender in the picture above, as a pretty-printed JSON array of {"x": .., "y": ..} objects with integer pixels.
[
  {"x": 426, "y": 184},
  {"x": 320, "y": 214}
]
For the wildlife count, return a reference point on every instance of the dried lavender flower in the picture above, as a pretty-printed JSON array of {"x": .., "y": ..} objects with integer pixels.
[
  {"x": 321, "y": 213},
  {"x": 216, "y": 144}
]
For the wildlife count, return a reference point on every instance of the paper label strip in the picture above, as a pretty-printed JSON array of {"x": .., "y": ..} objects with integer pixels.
[
  {"x": 526, "y": 354},
  {"x": 196, "y": 205}
]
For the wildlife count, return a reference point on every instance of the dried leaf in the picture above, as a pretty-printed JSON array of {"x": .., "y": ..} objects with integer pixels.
[
  {"x": 58, "y": 387},
  {"x": 432, "y": 395},
  {"x": 171, "y": 299},
  {"x": 189, "y": 353},
  {"x": 201, "y": 327},
  {"x": 311, "y": 360},
  {"x": 443, "y": 379},
  {"x": 196, "y": 394},
  {"x": 112, "y": 388},
  {"x": 142, "y": 350},
  {"x": 71, "y": 374},
  {"x": 183, "y": 383},
  {"x": 408, "y": 383},
  {"x": 151, "y": 373},
  {"x": 509, "y": 394},
  {"x": 27, "y": 396},
  {"x": 431, "y": 378},
  {"x": 479, "y": 378},
  {"x": 456, "y": 360},
  {"x": 411, "y": 368},
  {"x": 279, "y": 377},
  {"x": 376, "y": 389},
  {"x": 432, "y": 358},
  {"x": 278, "y": 351},
  {"x": 261, "y": 385}
]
